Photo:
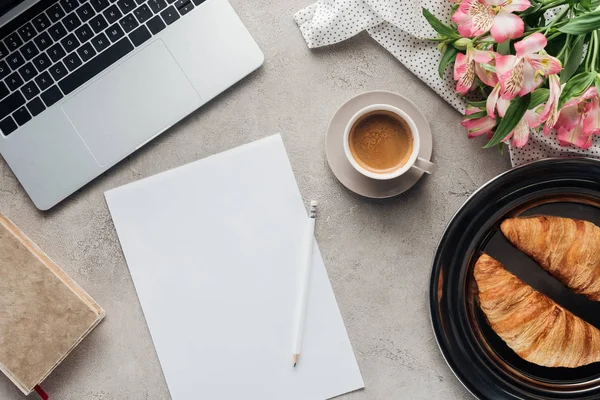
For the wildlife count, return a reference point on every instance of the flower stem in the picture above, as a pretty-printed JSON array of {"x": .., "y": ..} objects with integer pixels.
[{"x": 595, "y": 54}]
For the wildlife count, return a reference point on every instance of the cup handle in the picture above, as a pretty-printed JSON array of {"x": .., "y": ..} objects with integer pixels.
[{"x": 424, "y": 165}]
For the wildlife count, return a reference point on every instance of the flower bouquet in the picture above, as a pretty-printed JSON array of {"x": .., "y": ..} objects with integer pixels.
[{"x": 532, "y": 64}]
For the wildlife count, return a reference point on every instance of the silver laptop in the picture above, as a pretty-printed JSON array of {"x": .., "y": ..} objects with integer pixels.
[{"x": 84, "y": 83}]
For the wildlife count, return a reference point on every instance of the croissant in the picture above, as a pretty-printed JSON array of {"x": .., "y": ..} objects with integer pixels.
[
  {"x": 535, "y": 327},
  {"x": 569, "y": 249}
]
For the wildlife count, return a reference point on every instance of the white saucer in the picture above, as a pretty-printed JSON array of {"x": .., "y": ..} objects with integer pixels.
[{"x": 339, "y": 164}]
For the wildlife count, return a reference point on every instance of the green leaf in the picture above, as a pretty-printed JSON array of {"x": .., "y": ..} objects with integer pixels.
[
  {"x": 583, "y": 24},
  {"x": 514, "y": 115},
  {"x": 501, "y": 148},
  {"x": 480, "y": 114},
  {"x": 598, "y": 83},
  {"x": 538, "y": 97},
  {"x": 439, "y": 26},
  {"x": 478, "y": 104},
  {"x": 504, "y": 48},
  {"x": 449, "y": 56},
  {"x": 586, "y": 4},
  {"x": 575, "y": 58},
  {"x": 576, "y": 86}
]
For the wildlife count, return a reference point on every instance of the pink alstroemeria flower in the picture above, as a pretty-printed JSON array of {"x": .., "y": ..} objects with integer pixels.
[
  {"x": 523, "y": 73},
  {"x": 469, "y": 65},
  {"x": 476, "y": 17},
  {"x": 478, "y": 126},
  {"x": 550, "y": 113},
  {"x": 579, "y": 120}
]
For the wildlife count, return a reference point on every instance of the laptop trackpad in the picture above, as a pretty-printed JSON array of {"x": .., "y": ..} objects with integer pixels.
[{"x": 132, "y": 103}]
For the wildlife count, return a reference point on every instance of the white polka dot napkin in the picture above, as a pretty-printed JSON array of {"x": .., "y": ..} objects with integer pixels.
[{"x": 399, "y": 26}]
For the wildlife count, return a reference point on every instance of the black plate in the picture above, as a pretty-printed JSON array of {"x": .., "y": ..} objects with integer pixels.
[{"x": 485, "y": 365}]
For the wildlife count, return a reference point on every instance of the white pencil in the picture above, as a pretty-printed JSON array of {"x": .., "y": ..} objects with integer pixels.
[{"x": 304, "y": 274}]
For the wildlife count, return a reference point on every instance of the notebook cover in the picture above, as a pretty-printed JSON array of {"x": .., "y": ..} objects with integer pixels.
[{"x": 43, "y": 313}]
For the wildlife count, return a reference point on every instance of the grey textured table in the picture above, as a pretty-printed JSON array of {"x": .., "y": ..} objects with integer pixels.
[{"x": 378, "y": 253}]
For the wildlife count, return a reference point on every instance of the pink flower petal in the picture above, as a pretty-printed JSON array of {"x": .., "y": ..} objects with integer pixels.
[
  {"x": 464, "y": 74},
  {"x": 507, "y": 26},
  {"x": 550, "y": 113},
  {"x": 492, "y": 100},
  {"x": 575, "y": 136},
  {"x": 481, "y": 56},
  {"x": 568, "y": 118},
  {"x": 517, "y": 5},
  {"x": 510, "y": 72},
  {"x": 486, "y": 76},
  {"x": 520, "y": 135},
  {"x": 591, "y": 122},
  {"x": 544, "y": 64},
  {"x": 533, "y": 117},
  {"x": 502, "y": 106},
  {"x": 531, "y": 44},
  {"x": 480, "y": 126},
  {"x": 531, "y": 80},
  {"x": 464, "y": 23}
]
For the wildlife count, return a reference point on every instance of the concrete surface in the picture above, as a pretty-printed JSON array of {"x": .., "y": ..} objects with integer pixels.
[{"x": 378, "y": 253}]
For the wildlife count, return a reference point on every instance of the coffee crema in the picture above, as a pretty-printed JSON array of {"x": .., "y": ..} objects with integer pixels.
[{"x": 381, "y": 141}]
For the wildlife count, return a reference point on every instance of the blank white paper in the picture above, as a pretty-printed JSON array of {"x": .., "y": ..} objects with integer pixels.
[{"x": 212, "y": 249}]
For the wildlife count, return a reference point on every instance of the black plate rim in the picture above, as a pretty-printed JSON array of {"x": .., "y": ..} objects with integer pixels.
[{"x": 469, "y": 386}]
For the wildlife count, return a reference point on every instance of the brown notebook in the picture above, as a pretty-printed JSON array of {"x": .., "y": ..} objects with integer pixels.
[{"x": 43, "y": 313}]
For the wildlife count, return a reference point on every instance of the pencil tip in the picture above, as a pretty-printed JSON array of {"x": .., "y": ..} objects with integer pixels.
[{"x": 294, "y": 365}]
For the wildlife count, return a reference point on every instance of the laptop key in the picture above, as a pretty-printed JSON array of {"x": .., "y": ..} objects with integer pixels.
[
  {"x": 71, "y": 22},
  {"x": 15, "y": 60},
  {"x": 56, "y": 52},
  {"x": 197, "y": 2},
  {"x": 13, "y": 41},
  {"x": 14, "y": 81},
  {"x": 170, "y": 15},
  {"x": 69, "y": 5},
  {"x": 8, "y": 126},
  {"x": 27, "y": 32},
  {"x": 41, "y": 22},
  {"x": 22, "y": 116},
  {"x": 55, "y": 12},
  {"x": 98, "y": 23},
  {"x": 114, "y": 33},
  {"x": 70, "y": 43},
  {"x": 30, "y": 90},
  {"x": 85, "y": 12},
  {"x": 129, "y": 23},
  {"x": 96, "y": 65},
  {"x": 184, "y": 6},
  {"x": 42, "y": 41},
  {"x": 112, "y": 14},
  {"x": 126, "y": 5},
  {"x": 156, "y": 25},
  {"x": 84, "y": 33},
  {"x": 44, "y": 80},
  {"x": 41, "y": 62},
  {"x": 4, "y": 70},
  {"x": 72, "y": 61},
  {"x": 58, "y": 71},
  {"x": 3, "y": 51},
  {"x": 157, "y": 5},
  {"x": 99, "y": 5},
  {"x": 36, "y": 106},
  {"x": 138, "y": 2},
  {"x": 10, "y": 104},
  {"x": 27, "y": 71},
  {"x": 51, "y": 96},
  {"x": 3, "y": 90},
  {"x": 100, "y": 42},
  {"x": 143, "y": 13},
  {"x": 57, "y": 31},
  {"x": 86, "y": 52},
  {"x": 140, "y": 35},
  {"x": 29, "y": 51}
]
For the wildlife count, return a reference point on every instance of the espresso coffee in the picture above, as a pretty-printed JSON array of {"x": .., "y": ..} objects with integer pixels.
[{"x": 381, "y": 141}]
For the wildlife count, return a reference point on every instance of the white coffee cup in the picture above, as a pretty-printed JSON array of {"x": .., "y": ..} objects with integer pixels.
[{"x": 414, "y": 161}]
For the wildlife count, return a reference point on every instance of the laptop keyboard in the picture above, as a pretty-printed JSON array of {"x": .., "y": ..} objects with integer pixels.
[{"x": 69, "y": 43}]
